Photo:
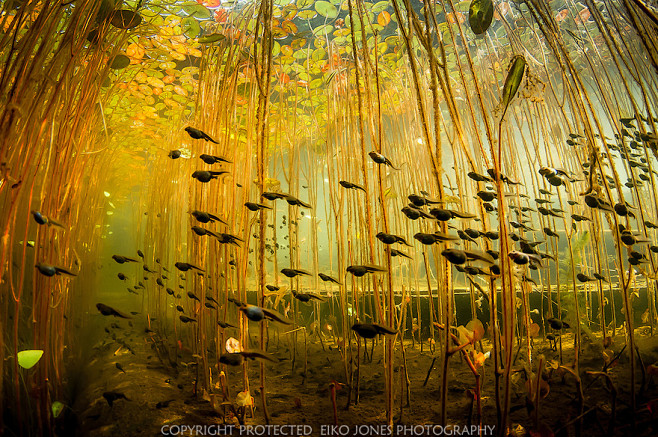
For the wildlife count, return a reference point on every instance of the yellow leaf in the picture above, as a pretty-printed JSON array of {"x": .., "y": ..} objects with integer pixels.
[
  {"x": 154, "y": 81},
  {"x": 180, "y": 90}
]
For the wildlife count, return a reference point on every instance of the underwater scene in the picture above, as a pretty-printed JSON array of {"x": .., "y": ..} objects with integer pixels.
[{"x": 328, "y": 217}]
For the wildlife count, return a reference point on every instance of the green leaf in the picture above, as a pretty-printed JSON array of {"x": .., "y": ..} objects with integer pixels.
[
  {"x": 199, "y": 11},
  {"x": 212, "y": 38},
  {"x": 380, "y": 6},
  {"x": 307, "y": 14},
  {"x": 462, "y": 6},
  {"x": 319, "y": 54},
  {"x": 323, "y": 30},
  {"x": 316, "y": 83},
  {"x": 125, "y": 19},
  {"x": 301, "y": 4},
  {"x": 119, "y": 62},
  {"x": 27, "y": 359},
  {"x": 512, "y": 82},
  {"x": 326, "y": 9},
  {"x": 57, "y": 407},
  {"x": 190, "y": 27},
  {"x": 480, "y": 15}
]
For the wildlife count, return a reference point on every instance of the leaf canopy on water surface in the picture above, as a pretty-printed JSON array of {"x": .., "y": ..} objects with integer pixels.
[{"x": 155, "y": 48}]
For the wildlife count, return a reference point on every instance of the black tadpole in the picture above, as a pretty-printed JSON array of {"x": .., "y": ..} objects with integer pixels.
[
  {"x": 198, "y": 134},
  {"x": 381, "y": 159},
  {"x": 351, "y": 186},
  {"x": 327, "y": 278},
  {"x": 206, "y": 175},
  {"x": 371, "y": 330}
]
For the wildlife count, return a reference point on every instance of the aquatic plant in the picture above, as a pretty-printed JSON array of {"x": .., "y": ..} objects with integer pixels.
[{"x": 229, "y": 144}]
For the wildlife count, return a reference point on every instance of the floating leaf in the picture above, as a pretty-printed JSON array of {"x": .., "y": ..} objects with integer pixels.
[
  {"x": 301, "y": 4},
  {"x": 119, "y": 62},
  {"x": 125, "y": 19},
  {"x": 190, "y": 70},
  {"x": 57, "y": 407},
  {"x": 480, "y": 15},
  {"x": 154, "y": 81},
  {"x": 190, "y": 27},
  {"x": 319, "y": 54},
  {"x": 462, "y": 6},
  {"x": 278, "y": 33},
  {"x": 93, "y": 36},
  {"x": 135, "y": 51},
  {"x": 180, "y": 90},
  {"x": 145, "y": 89},
  {"x": 322, "y": 30},
  {"x": 198, "y": 11},
  {"x": 221, "y": 15},
  {"x": 290, "y": 12},
  {"x": 212, "y": 38},
  {"x": 289, "y": 26},
  {"x": 384, "y": 18},
  {"x": 512, "y": 82},
  {"x": 307, "y": 14},
  {"x": 380, "y": 7},
  {"x": 326, "y": 9},
  {"x": 27, "y": 359}
]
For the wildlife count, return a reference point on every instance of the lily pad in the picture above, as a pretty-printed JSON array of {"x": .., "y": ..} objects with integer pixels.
[
  {"x": 289, "y": 27},
  {"x": 215, "y": 37},
  {"x": 190, "y": 27},
  {"x": 384, "y": 18},
  {"x": 278, "y": 33},
  {"x": 198, "y": 11},
  {"x": 119, "y": 62},
  {"x": 480, "y": 15},
  {"x": 307, "y": 14},
  {"x": 323, "y": 30},
  {"x": 301, "y": 4},
  {"x": 27, "y": 359},
  {"x": 326, "y": 9},
  {"x": 380, "y": 7},
  {"x": 125, "y": 19},
  {"x": 94, "y": 36}
]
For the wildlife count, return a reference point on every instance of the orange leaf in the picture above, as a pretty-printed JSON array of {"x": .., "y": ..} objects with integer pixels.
[
  {"x": 135, "y": 51},
  {"x": 289, "y": 26},
  {"x": 221, "y": 16},
  {"x": 383, "y": 18}
]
